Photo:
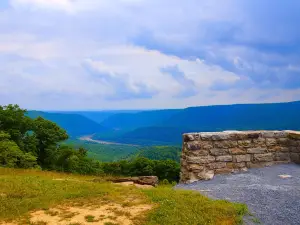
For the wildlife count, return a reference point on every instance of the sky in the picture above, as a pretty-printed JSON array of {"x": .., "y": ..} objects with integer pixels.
[{"x": 146, "y": 54}]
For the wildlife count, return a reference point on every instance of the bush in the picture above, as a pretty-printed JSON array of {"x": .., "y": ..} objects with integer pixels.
[
  {"x": 163, "y": 169},
  {"x": 12, "y": 156}
]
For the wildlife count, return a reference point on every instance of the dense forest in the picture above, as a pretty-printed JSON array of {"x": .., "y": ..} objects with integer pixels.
[{"x": 27, "y": 142}]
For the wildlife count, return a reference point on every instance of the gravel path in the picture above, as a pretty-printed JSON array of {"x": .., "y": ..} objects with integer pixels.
[{"x": 273, "y": 200}]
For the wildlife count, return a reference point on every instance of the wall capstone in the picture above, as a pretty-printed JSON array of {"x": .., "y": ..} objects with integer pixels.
[{"x": 209, "y": 153}]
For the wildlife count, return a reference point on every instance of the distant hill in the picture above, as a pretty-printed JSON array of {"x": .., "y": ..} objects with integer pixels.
[
  {"x": 165, "y": 127},
  {"x": 76, "y": 125},
  {"x": 97, "y": 116},
  {"x": 154, "y": 135},
  {"x": 275, "y": 116},
  {"x": 130, "y": 121},
  {"x": 238, "y": 117}
]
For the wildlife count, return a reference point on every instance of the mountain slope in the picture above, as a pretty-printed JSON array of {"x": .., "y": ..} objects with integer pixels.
[
  {"x": 238, "y": 117},
  {"x": 276, "y": 116},
  {"x": 130, "y": 121},
  {"x": 75, "y": 125}
]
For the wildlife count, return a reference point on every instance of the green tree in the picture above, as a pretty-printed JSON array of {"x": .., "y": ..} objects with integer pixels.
[
  {"x": 12, "y": 156},
  {"x": 14, "y": 122},
  {"x": 48, "y": 135}
]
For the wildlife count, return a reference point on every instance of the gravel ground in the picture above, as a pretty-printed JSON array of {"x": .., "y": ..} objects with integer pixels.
[{"x": 273, "y": 200}]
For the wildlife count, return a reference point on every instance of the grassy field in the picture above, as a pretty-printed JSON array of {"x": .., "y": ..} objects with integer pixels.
[{"x": 28, "y": 195}]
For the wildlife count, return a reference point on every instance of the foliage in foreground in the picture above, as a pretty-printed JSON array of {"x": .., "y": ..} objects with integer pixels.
[{"x": 26, "y": 190}]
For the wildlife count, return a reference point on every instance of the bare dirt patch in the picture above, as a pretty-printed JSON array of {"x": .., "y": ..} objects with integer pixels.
[{"x": 102, "y": 214}]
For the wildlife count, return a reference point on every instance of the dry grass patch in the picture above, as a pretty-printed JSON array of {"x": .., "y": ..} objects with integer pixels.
[{"x": 100, "y": 215}]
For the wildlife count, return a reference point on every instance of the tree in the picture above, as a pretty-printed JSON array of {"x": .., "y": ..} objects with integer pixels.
[
  {"x": 48, "y": 135},
  {"x": 12, "y": 156},
  {"x": 14, "y": 122}
]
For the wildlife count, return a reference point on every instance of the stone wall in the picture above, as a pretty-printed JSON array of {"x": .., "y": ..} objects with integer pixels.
[{"x": 207, "y": 154}]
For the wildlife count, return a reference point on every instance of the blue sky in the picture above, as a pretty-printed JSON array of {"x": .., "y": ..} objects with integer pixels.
[{"x": 114, "y": 54}]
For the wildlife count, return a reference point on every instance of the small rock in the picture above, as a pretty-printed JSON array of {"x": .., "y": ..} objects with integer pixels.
[{"x": 284, "y": 176}]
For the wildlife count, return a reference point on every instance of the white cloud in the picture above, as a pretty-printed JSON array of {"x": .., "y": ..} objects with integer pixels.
[
  {"x": 65, "y": 5},
  {"x": 80, "y": 53}
]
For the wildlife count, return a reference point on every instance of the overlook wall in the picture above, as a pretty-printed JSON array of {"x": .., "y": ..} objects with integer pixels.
[{"x": 207, "y": 154}]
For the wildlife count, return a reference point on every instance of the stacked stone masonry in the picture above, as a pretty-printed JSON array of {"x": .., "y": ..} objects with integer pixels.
[{"x": 207, "y": 154}]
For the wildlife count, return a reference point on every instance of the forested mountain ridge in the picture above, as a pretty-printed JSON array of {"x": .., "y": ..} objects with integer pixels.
[
  {"x": 272, "y": 116},
  {"x": 131, "y": 121},
  {"x": 166, "y": 126}
]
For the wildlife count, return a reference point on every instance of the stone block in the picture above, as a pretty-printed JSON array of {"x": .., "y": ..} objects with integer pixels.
[
  {"x": 295, "y": 157},
  {"x": 188, "y": 137},
  {"x": 239, "y": 136},
  {"x": 244, "y": 143},
  {"x": 254, "y": 135},
  {"x": 198, "y": 145},
  {"x": 259, "y": 164},
  {"x": 192, "y": 177},
  {"x": 259, "y": 142},
  {"x": 225, "y": 144},
  {"x": 193, "y": 145},
  {"x": 216, "y": 165},
  {"x": 281, "y": 134},
  {"x": 295, "y": 149},
  {"x": 283, "y": 141},
  {"x": 239, "y": 165},
  {"x": 235, "y": 165},
  {"x": 268, "y": 134},
  {"x": 201, "y": 159},
  {"x": 267, "y": 157},
  {"x": 271, "y": 141},
  {"x": 206, "y": 136},
  {"x": 256, "y": 150},
  {"x": 280, "y": 156},
  {"x": 223, "y": 171},
  {"x": 224, "y": 158},
  {"x": 218, "y": 151},
  {"x": 293, "y": 143},
  {"x": 237, "y": 151},
  {"x": 278, "y": 149},
  {"x": 220, "y": 136},
  {"x": 195, "y": 167},
  {"x": 206, "y": 145},
  {"x": 205, "y": 175},
  {"x": 242, "y": 158},
  {"x": 198, "y": 153},
  {"x": 294, "y": 135}
]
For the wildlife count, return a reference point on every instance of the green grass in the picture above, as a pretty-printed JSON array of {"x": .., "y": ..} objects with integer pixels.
[
  {"x": 189, "y": 208},
  {"x": 26, "y": 190},
  {"x": 22, "y": 191},
  {"x": 89, "y": 218}
]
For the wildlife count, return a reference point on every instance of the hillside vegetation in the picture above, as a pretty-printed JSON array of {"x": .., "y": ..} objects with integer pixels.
[
  {"x": 165, "y": 127},
  {"x": 35, "y": 197}
]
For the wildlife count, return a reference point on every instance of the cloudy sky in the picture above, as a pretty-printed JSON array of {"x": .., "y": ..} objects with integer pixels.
[{"x": 126, "y": 54}]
